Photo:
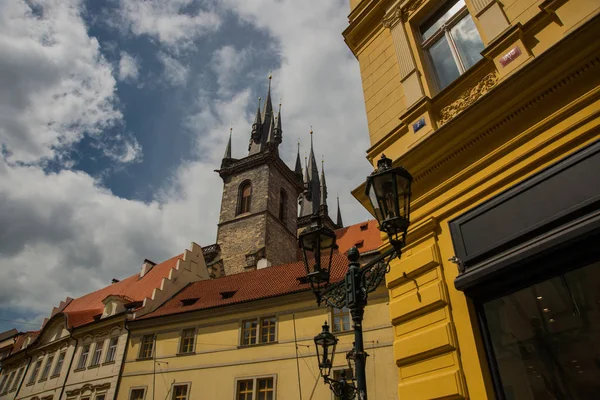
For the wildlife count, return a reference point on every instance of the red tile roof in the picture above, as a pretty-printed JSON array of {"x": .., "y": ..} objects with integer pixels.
[
  {"x": 367, "y": 232},
  {"x": 83, "y": 309},
  {"x": 248, "y": 286}
]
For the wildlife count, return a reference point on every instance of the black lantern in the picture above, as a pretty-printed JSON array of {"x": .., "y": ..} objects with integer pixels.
[
  {"x": 325, "y": 343},
  {"x": 317, "y": 244},
  {"x": 389, "y": 190},
  {"x": 351, "y": 359}
]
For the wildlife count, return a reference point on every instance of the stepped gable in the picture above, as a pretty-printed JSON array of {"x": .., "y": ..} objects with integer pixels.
[
  {"x": 82, "y": 310},
  {"x": 368, "y": 232},
  {"x": 247, "y": 286}
]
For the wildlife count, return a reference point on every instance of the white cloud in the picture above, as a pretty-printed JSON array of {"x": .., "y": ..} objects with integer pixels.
[
  {"x": 55, "y": 85},
  {"x": 174, "y": 72},
  {"x": 128, "y": 67},
  {"x": 169, "y": 21},
  {"x": 122, "y": 148},
  {"x": 227, "y": 63}
]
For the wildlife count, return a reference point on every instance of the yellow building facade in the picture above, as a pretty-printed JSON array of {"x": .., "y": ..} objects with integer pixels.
[
  {"x": 483, "y": 101},
  {"x": 203, "y": 345}
]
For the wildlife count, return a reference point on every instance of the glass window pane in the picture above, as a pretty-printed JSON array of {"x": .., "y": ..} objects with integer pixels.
[
  {"x": 467, "y": 41},
  {"x": 545, "y": 337},
  {"x": 441, "y": 16},
  {"x": 443, "y": 62}
]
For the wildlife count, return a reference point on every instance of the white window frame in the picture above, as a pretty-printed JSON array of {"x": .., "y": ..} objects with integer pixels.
[
  {"x": 187, "y": 384},
  {"x": 81, "y": 359},
  {"x": 258, "y": 330},
  {"x": 255, "y": 385},
  {"x": 180, "y": 344},
  {"x": 98, "y": 346},
  {"x": 443, "y": 30},
  {"x": 142, "y": 347},
  {"x": 333, "y": 315},
  {"x": 35, "y": 371},
  {"x": 144, "y": 388},
  {"x": 47, "y": 367},
  {"x": 112, "y": 350},
  {"x": 59, "y": 364}
]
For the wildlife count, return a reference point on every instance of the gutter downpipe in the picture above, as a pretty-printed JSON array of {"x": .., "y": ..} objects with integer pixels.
[
  {"x": 122, "y": 361},
  {"x": 70, "y": 364}
]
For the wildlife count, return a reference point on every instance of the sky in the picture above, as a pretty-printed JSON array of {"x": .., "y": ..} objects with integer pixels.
[{"x": 114, "y": 115}]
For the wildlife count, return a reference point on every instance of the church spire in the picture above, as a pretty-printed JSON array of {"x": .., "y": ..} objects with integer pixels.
[
  {"x": 268, "y": 110},
  {"x": 298, "y": 167},
  {"x": 277, "y": 132},
  {"x": 339, "y": 222},
  {"x": 228, "y": 148},
  {"x": 323, "y": 185},
  {"x": 257, "y": 125}
]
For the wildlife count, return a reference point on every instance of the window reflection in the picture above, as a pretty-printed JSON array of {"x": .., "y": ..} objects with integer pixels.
[{"x": 546, "y": 338}]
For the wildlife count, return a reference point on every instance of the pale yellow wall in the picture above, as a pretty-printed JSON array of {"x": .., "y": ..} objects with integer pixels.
[
  {"x": 218, "y": 360},
  {"x": 384, "y": 100}
]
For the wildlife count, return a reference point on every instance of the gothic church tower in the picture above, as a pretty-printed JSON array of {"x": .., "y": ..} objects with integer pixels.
[{"x": 258, "y": 220}]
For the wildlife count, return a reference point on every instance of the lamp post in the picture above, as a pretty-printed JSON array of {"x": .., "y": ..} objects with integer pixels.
[{"x": 388, "y": 189}]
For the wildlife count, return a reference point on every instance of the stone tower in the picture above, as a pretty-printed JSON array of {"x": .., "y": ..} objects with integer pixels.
[{"x": 258, "y": 220}]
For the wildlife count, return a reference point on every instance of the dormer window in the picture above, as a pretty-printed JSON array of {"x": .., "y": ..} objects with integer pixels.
[
  {"x": 245, "y": 197},
  {"x": 451, "y": 42}
]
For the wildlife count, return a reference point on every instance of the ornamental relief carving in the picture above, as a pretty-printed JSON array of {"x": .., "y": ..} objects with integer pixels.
[
  {"x": 400, "y": 12},
  {"x": 468, "y": 97}
]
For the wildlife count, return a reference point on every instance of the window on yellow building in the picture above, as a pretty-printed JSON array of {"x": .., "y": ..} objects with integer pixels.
[
  {"x": 180, "y": 391},
  {"x": 256, "y": 388},
  {"x": 451, "y": 42},
  {"x": 137, "y": 394},
  {"x": 100, "y": 397},
  {"x": 35, "y": 372},
  {"x": 46, "y": 370},
  {"x": 341, "y": 319},
  {"x": 59, "y": 363},
  {"x": 337, "y": 375},
  {"x": 187, "y": 341},
  {"x": 147, "y": 346},
  {"x": 97, "y": 353},
  {"x": 85, "y": 352},
  {"x": 112, "y": 350},
  {"x": 259, "y": 330}
]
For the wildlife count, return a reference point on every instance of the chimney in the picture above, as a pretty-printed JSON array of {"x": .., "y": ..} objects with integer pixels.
[
  {"x": 146, "y": 267},
  {"x": 115, "y": 281}
]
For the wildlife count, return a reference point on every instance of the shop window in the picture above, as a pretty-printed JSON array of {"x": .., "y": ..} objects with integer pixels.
[
  {"x": 137, "y": 394},
  {"x": 112, "y": 350},
  {"x": 259, "y": 330},
  {"x": 181, "y": 391},
  {"x": 341, "y": 319},
  {"x": 46, "y": 370},
  {"x": 147, "y": 346},
  {"x": 244, "y": 198},
  {"x": 256, "y": 388},
  {"x": 282, "y": 206},
  {"x": 543, "y": 339},
  {"x": 97, "y": 354},
  {"x": 451, "y": 42},
  {"x": 35, "y": 372},
  {"x": 186, "y": 345},
  {"x": 59, "y": 363}
]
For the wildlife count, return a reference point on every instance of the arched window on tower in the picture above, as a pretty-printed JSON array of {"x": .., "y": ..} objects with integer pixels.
[
  {"x": 244, "y": 198},
  {"x": 283, "y": 206}
]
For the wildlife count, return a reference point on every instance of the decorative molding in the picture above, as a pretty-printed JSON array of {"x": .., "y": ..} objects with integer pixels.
[
  {"x": 88, "y": 387},
  {"x": 468, "y": 97},
  {"x": 410, "y": 8},
  {"x": 392, "y": 17},
  {"x": 579, "y": 72}
]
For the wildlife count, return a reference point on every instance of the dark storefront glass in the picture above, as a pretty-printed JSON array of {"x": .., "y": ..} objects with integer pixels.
[{"x": 546, "y": 338}]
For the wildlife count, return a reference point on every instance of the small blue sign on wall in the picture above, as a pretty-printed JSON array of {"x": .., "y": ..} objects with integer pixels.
[{"x": 419, "y": 124}]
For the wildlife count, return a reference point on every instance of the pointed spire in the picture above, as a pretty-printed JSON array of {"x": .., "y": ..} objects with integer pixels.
[
  {"x": 323, "y": 184},
  {"x": 298, "y": 167},
  {"x": 339, "y": 222},
  {"x": 268, "y": 110},
  {"x": 277, "y": 132},
  {"x": 257, "y": 125},
  {"x": 228, "y": 148}
]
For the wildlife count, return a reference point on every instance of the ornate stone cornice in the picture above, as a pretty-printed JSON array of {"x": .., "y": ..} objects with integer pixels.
[
  {"x": 400, "y": 12},
  {"x": 468, "y": 97},
  {"x": 88, "y": 387}
]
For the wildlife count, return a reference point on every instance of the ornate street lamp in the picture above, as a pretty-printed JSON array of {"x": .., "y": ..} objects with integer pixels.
[
  {"x": 389, "y": 190},
  {"x": 325, "y": 342}
]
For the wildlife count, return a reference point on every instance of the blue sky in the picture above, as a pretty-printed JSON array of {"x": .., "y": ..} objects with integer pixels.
[{"x": 114, "y": 115}]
